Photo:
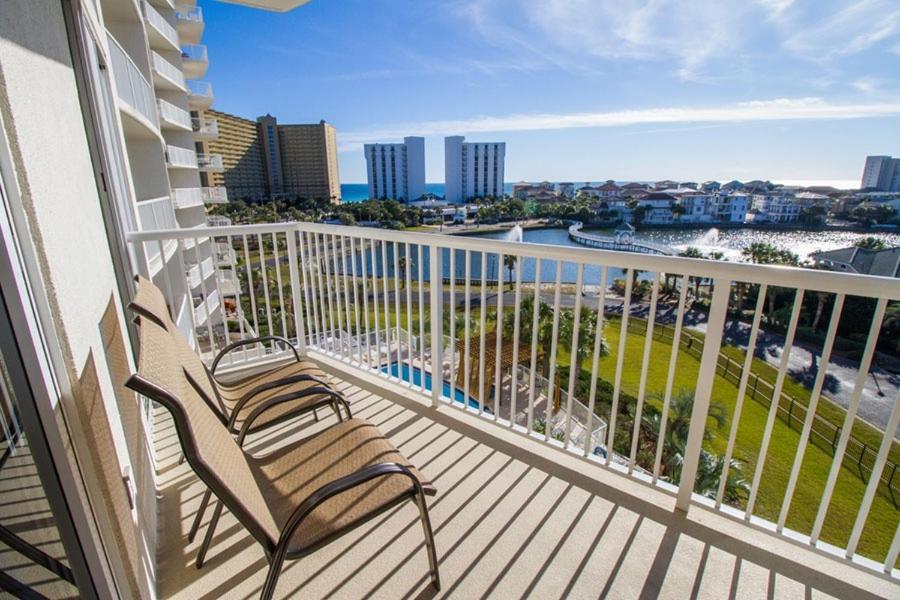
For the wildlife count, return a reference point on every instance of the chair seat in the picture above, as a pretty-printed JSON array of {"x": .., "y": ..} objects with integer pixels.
[
  {"x": 287, "y": 477},
  {"x": 235, "y": 390}
]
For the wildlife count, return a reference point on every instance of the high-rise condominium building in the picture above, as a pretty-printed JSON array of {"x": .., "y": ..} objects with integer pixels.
[
  {"x": 300, "y": 160},
  {"x": 472, "y": 169},
  {"x": 881, "y": 173},
  {"x": 396, "y": 171},
  {"x": 239, "y": 144}
]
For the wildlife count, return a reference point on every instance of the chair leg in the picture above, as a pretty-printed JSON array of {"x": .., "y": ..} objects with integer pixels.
[
  {"x": 429, "y": 541},
  {"x": 195, "y": 526},
  {"x": 272, "y": 577},
  {"x": 316, "y": 415},
  {"x": 207, "y": 540},
  {"x": 337, "y": 411},
  {"x": 181, "y": 460}
]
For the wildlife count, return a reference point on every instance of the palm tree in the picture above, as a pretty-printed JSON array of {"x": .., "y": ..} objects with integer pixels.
[
  {"x": 767, "y": 254},
  {"x": 871, "y": 243},
  {"x": 401, "y": 268},
  {"x": 692, "y": 252},
  {"x": 510, "y": 262}
]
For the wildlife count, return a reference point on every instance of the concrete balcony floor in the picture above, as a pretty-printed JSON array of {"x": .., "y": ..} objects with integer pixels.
[{"x": 512, "y": 519}]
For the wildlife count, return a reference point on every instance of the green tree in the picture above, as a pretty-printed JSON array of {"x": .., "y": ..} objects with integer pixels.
[
  {"x": 871, "y": 243},
  {"x": 510, "y": 262}
]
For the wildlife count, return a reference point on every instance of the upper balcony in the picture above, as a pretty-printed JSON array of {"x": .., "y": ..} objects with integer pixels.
[
  {"x": 161, "y": 33},
  {"x": 210, "y": 163},
  {"x": 166, "y": 76},
  {"x": 180, "y": 158},
  {"x": 173, "y": 117},
  {"x": 132, "y": 87},
  {"x": 190, "y": 24},
  {"x": 214, "y": 195},
  {"x": 205, "y": 129},
  {"x": 200, "y": 95},
  {"x": 194, "y": 61},
  {"x": 695, "y": 446}
]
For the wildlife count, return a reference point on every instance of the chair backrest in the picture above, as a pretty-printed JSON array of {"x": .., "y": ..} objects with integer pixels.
[
  {"x": 149, "y": 302},
  {"x": 208, "y": 446}
]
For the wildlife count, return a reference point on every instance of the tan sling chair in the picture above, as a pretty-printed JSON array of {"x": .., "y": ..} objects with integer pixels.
[{"x": 294, "y": 500}]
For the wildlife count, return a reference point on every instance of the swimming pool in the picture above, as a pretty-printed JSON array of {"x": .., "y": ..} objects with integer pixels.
[{"x": 401, "y": 371}]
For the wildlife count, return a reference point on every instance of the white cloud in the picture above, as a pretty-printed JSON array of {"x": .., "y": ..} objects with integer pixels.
[
  {"x": 852, "y": 29},
  {"x": 780, "y": 109},
  {"x": 866, "y": 85}
]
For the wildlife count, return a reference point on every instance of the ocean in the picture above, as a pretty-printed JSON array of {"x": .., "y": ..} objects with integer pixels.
[{"x": 356, "y": 192}]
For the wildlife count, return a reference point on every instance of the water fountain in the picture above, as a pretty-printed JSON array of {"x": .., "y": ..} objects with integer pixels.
[
  {"x": 514, "y": 234},
  {"x": 708, "y": 239}
]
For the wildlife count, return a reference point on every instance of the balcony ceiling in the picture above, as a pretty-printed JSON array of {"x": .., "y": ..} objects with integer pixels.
[
  {"x": 511, "y": 519},
  {"x": 275, "y": 5}
]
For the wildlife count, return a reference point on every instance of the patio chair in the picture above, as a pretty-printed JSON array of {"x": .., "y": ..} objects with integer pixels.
[
  {"x": 235, "y": 401},
  {"x": 243, "y": 405},
  {"x": 294, "y": 500}
]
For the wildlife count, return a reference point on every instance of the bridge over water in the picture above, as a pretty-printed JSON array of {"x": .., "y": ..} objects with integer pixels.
[{"x": 606, "y": 242}]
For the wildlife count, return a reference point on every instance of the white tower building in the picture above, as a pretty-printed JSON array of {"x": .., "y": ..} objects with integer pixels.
[
  {"x": 396, "y": 171},
  {"x": 473, "y": 169}
]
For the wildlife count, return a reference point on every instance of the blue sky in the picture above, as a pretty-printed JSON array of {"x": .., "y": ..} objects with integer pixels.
[{"x": 579, "y": 89}]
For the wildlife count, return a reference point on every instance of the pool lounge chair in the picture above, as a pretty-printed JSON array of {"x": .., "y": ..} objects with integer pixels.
[{"x": 294, "y": 500}]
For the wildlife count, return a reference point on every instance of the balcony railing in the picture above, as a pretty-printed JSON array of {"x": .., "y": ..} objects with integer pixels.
[
  {"x": 190, "y": 24},
  {"x": 205, "y": 128},
  {"x": 160, "y": 29},
  {"x": 187, "y": 197},
  {"x": 183, "y": 158},
  {"x": 664, "y": 389},
  {"x": 200, "y": 94},
  {"x": 215, "y": 195},
  {"x": 194, "y": 60},
  {"x": 131, "y": 85},
  {"x": 210, "y": 162},
  {"x": 174, "y": 116},
  {"x": 167, "y": 73}
]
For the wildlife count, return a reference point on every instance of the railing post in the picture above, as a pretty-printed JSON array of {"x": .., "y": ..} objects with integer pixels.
[
  {"x": 705, "y": 379},
  {"x": 299, "y": 323},
  {"x": 437, "y": 324}
]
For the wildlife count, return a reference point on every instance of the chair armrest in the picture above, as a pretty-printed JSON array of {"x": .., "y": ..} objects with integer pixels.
[
  {"x": 247, "y": 342},
  {"x": 339, "y": 486},
  {"x": 272, "y": 402}
]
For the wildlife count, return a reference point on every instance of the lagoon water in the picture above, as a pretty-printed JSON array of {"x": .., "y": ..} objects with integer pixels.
[{"x": 730, "y": 243}]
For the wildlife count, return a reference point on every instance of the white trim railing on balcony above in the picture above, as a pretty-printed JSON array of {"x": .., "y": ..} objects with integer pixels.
[
  {"x": 173, "y": 116},
  {"x": 215, "y": 195},
  {"x": 347, "y": 292},
  {"x": 131, "y": 85},
  {"x": 190, "y": 24},
  {"x": 181, "y": 158},
  {"x": 165, "y": 73},
  {"x": 187, "y": 197},
  {"x": 200, "y": 94},
  {"x": 205, "y": 128},
  {"x": 210, "y": 162},
  {"x": 194, "y": 60},
  {"x": 161, "y": 31}
]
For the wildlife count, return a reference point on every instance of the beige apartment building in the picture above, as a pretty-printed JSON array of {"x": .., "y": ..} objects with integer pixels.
[
  {"x": 300, "y": 160},
  {"x": 239, "y": 145}
]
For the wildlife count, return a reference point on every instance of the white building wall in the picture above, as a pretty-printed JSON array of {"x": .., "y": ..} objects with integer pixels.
[
  {"x": 466, "y": 172},
  {"x": 415, "y": 167},
  {"x": 403, "y": 178},
  {"x": 453, "y": 169}
]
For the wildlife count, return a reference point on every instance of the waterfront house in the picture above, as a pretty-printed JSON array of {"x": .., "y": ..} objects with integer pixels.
[
  {"x": 774, "y": 208},
  {"x": 884, "y": 263}
]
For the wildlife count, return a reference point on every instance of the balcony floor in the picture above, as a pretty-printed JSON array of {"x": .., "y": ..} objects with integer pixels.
[{"x": 511, "y": 519}]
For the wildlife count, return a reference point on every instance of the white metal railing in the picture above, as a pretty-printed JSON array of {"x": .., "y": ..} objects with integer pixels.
[
  {"x": 181, "y": 157},
  {"x": 159, "y": 23},
  {"x": 643, "y": 401},
  {"x": 210, "y": 161},
  {"x": 205, "y": 127},
  {"x": 166, "y": 69},
  {"x": 131, "y": 85},
  {"x": 173, "y": 114},
  {"x": 187, "y": 197},
  {"x": 215, "y": 195},
  {"x": 154, "y": 215},
  {"x": 625, "y": 244}
]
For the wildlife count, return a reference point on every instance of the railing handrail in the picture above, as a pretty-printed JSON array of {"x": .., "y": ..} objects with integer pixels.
[{"x": 776, "y": 275}]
